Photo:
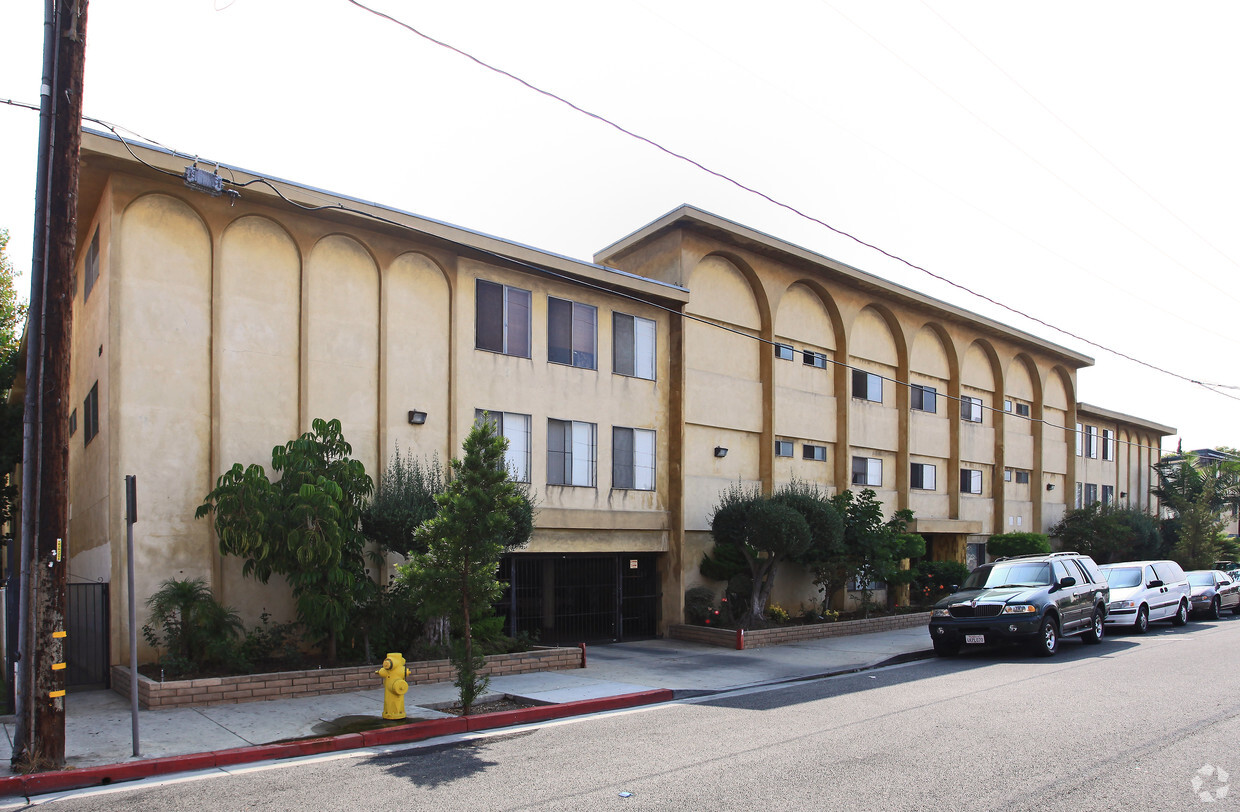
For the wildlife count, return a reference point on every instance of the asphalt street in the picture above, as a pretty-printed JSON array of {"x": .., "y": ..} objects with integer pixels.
[{"x": 1139, "y": 722}]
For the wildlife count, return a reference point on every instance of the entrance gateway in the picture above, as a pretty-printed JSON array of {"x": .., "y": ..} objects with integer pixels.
[{"x": 570, "y": 598}]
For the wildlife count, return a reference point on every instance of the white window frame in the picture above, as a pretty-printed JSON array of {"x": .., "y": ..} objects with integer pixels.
[
  {"x": 1091, "y": 442},
  {"x": 783, "y": 448},
  {"x": 638, "y": 467},
  {"x": 575, "y": 463},
  {"x": 923, "y": 398},
  {"x": 813, "y": 359},
  {"x": 971, "y": 481},
  {"x": 817, "y": 453},
  {"x": 515, "y": 428},
  {"x": 785, "y": 352},
  {"x": 1080, "y": 439},
  {"x": 582, "y": 333},
  {"x": 871, "y": 386},
  {"x": 873, "y": 474},
  {"x": 510, "y": 307},
  {"x": 644, "y": 347},
  {"x": 923, "y": 476},
  {"x": 1108, "y": 444},
  {"x": 971, "y": 409}
]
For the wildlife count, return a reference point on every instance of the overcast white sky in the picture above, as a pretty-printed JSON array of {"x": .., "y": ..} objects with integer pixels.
[{"x": 1072, "y": 160}]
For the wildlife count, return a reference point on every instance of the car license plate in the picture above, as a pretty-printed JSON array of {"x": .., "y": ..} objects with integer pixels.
[{"x": 975, "y": 638}]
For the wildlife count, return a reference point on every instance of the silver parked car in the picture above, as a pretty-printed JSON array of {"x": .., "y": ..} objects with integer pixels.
[
  {"x": 1142, "y": 591},
  {"x": 1212, "y": 592}
]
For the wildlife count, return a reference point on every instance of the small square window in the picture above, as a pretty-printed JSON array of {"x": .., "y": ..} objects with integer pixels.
[
  {"x": 1007, "y": 405},
  {"x": 971, "y": 409},
  {"x": 783, "y": 448},
  {"x": 572, "y": 333},
  {"x": 784, "y": 352},
  {"x": 1022, "y": 409},
  {"x": 814, "y": 452},
  {"x": 73, "y": 422},
  {"x": 867, "y": 471},
  {"x": 970, "y": 481},
  {"x": 1022, "y": 477},
  {"x": 923, "y": 398},
  {"x": 1007, "y": 474},
  {"x": 922, "y": 477},
  {"x": 633, "y": 346},
  {"x": 502, "y": 319},
  {"x": 814, "y": 359},
  {"x": 867, "y": 386}
]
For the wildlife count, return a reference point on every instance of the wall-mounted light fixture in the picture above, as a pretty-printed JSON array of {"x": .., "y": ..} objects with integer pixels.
[
  {"x": 720, "y": 451},
  {"x": 1050, "y": 486},
  {"x": 417, "y": 418}
]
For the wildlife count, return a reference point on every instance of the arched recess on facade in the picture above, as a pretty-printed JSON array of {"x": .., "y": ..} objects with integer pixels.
[
  {"x": 340, "y": 335},
  {"x": 811, "y": 398},
  {"x": 416, "y": 357},
  {"x": 934, "y": 426},
  {"x": 1028, "y": 433},
  {"x": 982, "y": 439},
  {"x": 877, "y": 345},
  {"x": 163, "y": 287},
  {"x": 729, "y": 395}
]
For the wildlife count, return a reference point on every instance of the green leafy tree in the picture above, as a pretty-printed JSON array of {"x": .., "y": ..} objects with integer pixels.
[
  {"x": 766, "y": 532},
  {"x": 1183, "y": 480},
  {"x": 458, "y": 573},
  {"x": 12, "y": 323},
  {"x": 305, "y": 526},
  {"x": 405, "y": 497},
  {"x": 824, "y": 557},
  {"x": 874, "y": 549},
  {"x": 1003, "y": 545},
  {"x": 1108, "y": 533},
  {"x": 1198, "y": 544}
]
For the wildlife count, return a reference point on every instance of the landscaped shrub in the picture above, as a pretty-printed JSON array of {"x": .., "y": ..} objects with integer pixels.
[
  {"x": 193, "y": 628},
  {"x": 1009, "y": 544},
  {"x": 935, "y": 580},
  {"x": 700, "y": 606}
]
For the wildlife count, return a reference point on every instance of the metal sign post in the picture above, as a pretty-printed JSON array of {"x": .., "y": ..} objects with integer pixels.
[{"x": 131, "y": 516}]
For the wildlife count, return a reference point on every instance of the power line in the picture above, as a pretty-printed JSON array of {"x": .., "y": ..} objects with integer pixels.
[
  {"x": 540, "y": 269},
  {"x": 786, "y": 206}
]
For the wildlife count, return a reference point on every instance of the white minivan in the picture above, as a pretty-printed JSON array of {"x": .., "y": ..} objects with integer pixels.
[{"x": 1142, "y": 591}]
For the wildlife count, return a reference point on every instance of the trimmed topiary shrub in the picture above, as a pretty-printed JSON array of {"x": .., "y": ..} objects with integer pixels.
[{"x": 1009, "y": 544}]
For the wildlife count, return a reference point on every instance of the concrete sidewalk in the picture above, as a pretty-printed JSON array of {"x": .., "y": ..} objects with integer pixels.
[{"x": 98, "y": 727}]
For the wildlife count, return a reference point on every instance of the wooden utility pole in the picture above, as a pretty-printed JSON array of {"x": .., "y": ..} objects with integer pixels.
[{"x": 41, "y": 735}]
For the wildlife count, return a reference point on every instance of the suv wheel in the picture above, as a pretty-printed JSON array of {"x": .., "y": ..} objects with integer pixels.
[
  {"x": 1142, "y": 625},
  {"x": 1047, "y": 642},
  {"x": 942, "y": 648},
  {"x": 1181, "y": 615},
  {"x": 1094, "y": 633}
]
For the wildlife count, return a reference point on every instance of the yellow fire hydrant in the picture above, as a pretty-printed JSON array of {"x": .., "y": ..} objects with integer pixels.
[{"x": 394, "y": 673}]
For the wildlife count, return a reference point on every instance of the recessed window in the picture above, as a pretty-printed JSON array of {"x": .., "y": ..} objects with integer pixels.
[
  {"x": 923, "y": 398},
  {"x": 922, "y": 477},
  {"x": 1007, "y": 406},
  {"x": 1022, "y": 409},
  {"x": 783, "y": 448},
  {"x": 73, "y": 422},
  {"x": 1080, "y": 440},
  {"x": 502, "y": 319},
  {"x": 90, "y": 413},
  {"x": 570, "y": 453},
  {"x": 867, "y": 386},
  {"x": 1022, "y": 477},
  {"x": 784, "y": 352},
  {"x": 1108, "y": 494},
  {"x": 1007, "y": 474},
  {"x": 1080, "y": 495},
  {"x": 867, "y": 471},
  {"x": 633, "y": 346},
  {"x": 814, "y": 452},
  {"x": 970, "y": 481},
  {"x": 515, "y": 428},
  {"x": 814, "y": 359},
  {"x": 1091, "y": 493},
  {"x": 1108, "y": 444},
  {"x": 1091, "y": 444},
  {"x": 572, "y": 333},
  {"x": 632, "y": 458},
  {"x": 91, "y": 269},
  {"x": 971, "y": 409}
]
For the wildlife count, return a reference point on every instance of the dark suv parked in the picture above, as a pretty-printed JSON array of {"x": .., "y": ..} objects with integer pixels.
[{"x": 1033, "y": 599}]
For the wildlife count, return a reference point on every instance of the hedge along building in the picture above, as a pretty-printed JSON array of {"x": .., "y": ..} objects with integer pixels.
[
  {"x": 858, "y": 382},
  {"x": 210, "y": 329}
]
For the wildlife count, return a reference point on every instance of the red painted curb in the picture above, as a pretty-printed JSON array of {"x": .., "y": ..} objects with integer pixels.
[{"x": 38, "y": 783}]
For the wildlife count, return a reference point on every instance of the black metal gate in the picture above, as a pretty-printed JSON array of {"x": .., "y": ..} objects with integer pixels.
[
  {"x": 86, "y": 621},
  {"x": 582, "y": 598}
]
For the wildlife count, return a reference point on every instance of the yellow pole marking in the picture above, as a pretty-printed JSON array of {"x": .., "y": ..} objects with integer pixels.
[
  {"x": 58, "y": 666},
  {"x": 55, "y": 694},
  {"x": 60, "y": 634}
]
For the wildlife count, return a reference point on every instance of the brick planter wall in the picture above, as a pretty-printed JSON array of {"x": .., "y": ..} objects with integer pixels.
[
  {"x": 759, "y": 638},
  {"x": 285, "y": 684}
]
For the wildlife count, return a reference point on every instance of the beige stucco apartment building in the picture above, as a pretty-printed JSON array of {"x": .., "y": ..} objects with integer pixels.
[{"x": 690, "y": 355}]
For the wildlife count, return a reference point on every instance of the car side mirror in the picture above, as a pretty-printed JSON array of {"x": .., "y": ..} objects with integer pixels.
[
  {"x": 955, "y": 587},
  {"x": 1224, "y": 583},
  {"x": 1067, "y": 581},
  {"x": 1154, "y": 583}
]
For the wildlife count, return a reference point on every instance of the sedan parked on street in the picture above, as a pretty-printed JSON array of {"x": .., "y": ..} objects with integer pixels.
[{"x": 1212, "y": 592}]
